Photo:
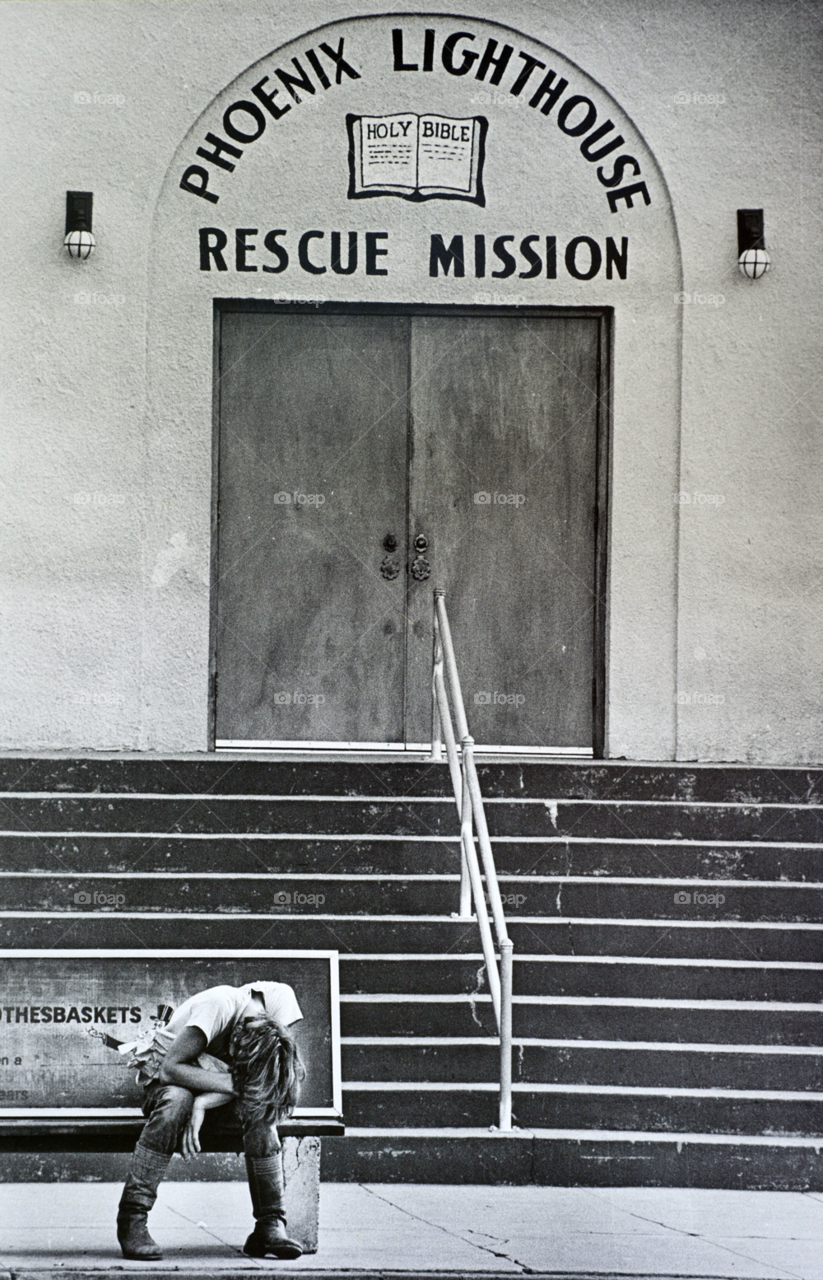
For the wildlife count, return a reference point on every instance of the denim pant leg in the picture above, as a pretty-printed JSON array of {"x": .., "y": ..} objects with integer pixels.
[
  {"x": 168, "y": 1108},
  {"x": 225, "y": 1124}
]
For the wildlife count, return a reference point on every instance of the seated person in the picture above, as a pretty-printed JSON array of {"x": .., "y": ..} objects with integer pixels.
[{"x": 227, "y": 1047}]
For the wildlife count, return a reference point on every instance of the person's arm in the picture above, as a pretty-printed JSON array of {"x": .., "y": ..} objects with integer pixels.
[
  {"x": 203, "y": 1102},
  {"x": 179, "y": 1066}
]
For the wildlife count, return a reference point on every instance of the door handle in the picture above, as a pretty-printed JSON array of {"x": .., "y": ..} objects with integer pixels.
[
  {"x": 390, "y": 564},
  {"x": 420, "y": 567}
]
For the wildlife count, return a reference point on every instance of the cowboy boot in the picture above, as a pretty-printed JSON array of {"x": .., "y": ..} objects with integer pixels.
[
  {"x": 139, "y": 1194},
  {"x": 266, "y": 1184}
]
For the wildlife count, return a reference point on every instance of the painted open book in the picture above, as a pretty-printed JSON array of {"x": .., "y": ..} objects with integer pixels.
[{"x": 417, "y": 157}]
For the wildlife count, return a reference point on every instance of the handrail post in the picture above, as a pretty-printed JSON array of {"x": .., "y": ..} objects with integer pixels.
[
  {"x": 437, "y": 668},
  {"x": 506, "y": 972}
]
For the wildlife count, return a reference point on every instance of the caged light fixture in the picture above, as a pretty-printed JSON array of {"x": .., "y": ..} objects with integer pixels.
[
  {"x": 79, "y": 241},
  {"x": 753, "y": 259}
]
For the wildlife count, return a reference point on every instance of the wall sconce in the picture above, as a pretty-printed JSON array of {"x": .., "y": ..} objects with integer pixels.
[
  {"x": 753, "y": 260},
  {"x": 79, "y": 241}
]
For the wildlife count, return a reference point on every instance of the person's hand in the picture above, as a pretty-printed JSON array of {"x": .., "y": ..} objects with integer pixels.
[{"x": 191, "y": 1136}]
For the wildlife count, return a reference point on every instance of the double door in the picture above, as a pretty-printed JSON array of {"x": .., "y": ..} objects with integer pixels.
[{"x": 367, "y": 456}]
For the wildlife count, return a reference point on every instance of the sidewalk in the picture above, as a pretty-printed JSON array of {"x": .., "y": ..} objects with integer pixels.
[{"x": 378, "y": 1229}]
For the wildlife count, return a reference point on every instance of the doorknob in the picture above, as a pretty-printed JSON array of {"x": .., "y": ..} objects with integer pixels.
[
  {"x": 390, "y": 564},
  {"x": 420, "y": 567}
]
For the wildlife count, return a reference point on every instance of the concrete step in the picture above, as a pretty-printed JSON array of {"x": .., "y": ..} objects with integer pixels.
[
  {"x": 415, "y": 895},
  {"x": 586, "y": 976},
  {"x": 225, "y": 774},
  {"x": 649, "y": 1065},
  {"x": 310, "y": 815},
  {"x": 686, "y": 938},
  {"x": 565, "y": 1158},
  {"x": 586, "y": 1018},
  {"x": 727, "y": 1111}
]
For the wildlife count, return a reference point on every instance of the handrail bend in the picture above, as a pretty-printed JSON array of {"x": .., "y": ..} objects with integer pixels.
[{"x": 446, "y": 689}]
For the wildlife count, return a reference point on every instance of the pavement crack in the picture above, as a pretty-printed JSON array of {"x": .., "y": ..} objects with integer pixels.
[{"x": 455, "y": 1235}]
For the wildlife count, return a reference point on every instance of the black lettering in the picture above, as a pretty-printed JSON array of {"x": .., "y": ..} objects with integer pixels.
[
  {"x": 440, "y": 256},
  {"x": 428, "y": 49},
  {"x": 596, "y": 258},
  {"x": 531, "y": 257},
  {"x": 278, "y": 250},
  {"x": 8, "y": 1009},
  {"x": 351, "y": 261},
  {"x": 122, "y": 1010},
  {"x": 58, "y": 1013},
  {"x": 397, "y": 49},
  {"x": 21, "y": 1015},
  {"x": 112, "y": 1013},
  {"x": 551, "y": 257},
  {"x": 469, "y": 55},
  {"x": 620, "y": 259},
  {"x": 480, "y": 256},
  {"x": 251, "y": 110},
  {"x": 198, "y": 189},
  {"x": 373, "y": 253},
  {"x": 134, "y": 1013},
  {"x": 209, "y": 250},
  {"x": 293, "y": 83},
  {"x": 34, "y": 1013},
  {"x": 267, "y": 99},
  {"x": 551, "y": 94},
  {"x": 45, "y": 1014},
  {"x": 214, "y": 156},
  {"x": 86, "y": 1013},
  {"x": 241, "y": 248},
  {"x": 529, "y": 64},
  {"x": 620, "y": 165},
  {"x": 626, "y": 193},
  {"x": 501, "y": 252},
  {"x": 318, "y": 68},
  {"x": 99, "y": 1013},
  {"x": 499, "y": 63},
  {"x": 73, "y": 1015},
  {"x": 575, "y": 130},
  {"x": 340, "y": 62},
  {"x": 586, "y": 144},
  {"x": 303, "y": 252}
]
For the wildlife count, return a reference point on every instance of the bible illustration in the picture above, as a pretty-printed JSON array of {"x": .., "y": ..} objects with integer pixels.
[{"x": 417, "y": 157}]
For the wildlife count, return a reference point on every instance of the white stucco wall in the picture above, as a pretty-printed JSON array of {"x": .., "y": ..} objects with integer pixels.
[{"x": 107, "y": 425}]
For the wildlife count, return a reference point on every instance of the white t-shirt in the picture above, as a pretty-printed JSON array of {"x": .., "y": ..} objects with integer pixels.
[{"x": 217, "y": 1011}]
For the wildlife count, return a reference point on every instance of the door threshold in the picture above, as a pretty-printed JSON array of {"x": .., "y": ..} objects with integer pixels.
[{"x": 395, "y": 749}]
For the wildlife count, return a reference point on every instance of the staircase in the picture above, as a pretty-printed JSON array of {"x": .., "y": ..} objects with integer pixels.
[{"x": 667, "y": 923}]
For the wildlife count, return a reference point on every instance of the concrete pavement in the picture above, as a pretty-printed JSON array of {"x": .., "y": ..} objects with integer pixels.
[{"x": 391, "y": 1229}]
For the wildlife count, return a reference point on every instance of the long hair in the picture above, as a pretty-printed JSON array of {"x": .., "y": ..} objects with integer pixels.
[{"x": 266, "y": 1069}]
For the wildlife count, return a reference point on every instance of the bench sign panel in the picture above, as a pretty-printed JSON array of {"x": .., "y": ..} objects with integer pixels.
[{"x": 67, "y": 1014}]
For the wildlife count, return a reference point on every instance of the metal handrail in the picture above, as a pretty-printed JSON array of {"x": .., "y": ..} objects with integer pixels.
[{"x": 445, "y": 681}]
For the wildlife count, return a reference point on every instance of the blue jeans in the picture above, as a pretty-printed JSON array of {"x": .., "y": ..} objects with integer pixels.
[{"x": 168, "y": 1108}]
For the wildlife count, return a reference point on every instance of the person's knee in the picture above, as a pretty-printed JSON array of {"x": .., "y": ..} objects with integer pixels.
[
  {"x": 261, "y": 1140},
  {"x": 176, "y": 1102}
]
